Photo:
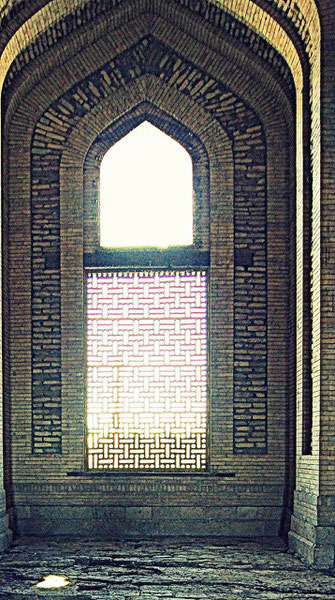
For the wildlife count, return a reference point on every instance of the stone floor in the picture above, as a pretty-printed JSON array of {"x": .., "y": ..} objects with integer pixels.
[{"x": 161, "y": 570}]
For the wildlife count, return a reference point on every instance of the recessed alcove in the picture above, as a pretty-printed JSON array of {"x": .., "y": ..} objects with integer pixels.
[{"x": 235, "y": 91}]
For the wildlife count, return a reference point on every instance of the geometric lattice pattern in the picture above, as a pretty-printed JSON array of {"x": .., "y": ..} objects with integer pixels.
[{"x": 146, "y": 370}]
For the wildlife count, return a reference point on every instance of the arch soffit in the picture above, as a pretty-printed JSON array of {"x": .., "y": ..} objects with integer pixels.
[
  {"x": 272, "y": 72},
  {"x": 269, "y": 104},
  {"x": 302, "y": 13}
]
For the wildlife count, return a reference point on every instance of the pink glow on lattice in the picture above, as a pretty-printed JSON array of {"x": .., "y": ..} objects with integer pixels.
[{"x": 146, "y": 370}]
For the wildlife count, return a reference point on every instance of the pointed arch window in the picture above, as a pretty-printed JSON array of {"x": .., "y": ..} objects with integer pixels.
[
  {"x": 146, "y": 327},
  {"x": 146, "y": 191}
]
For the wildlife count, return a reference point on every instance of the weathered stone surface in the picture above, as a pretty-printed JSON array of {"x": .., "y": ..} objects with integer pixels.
[{"x": 175, "y": 569}]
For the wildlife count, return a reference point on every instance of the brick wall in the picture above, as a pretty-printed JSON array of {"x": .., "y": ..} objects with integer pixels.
[
  {"x": 55, "y": 130},
  {"x": 265, "y": 56},
  {"x": 245, "y": 131},
  {"x": 313, "y": 525}
]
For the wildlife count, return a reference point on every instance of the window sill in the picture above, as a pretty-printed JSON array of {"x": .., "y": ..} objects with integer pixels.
[{"x": 147, "y": 257}]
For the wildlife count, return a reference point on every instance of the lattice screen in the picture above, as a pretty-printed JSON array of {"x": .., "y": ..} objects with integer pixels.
[{"x": 146, "y": 370}]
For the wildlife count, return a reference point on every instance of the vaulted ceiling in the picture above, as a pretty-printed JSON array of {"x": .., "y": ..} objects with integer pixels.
[{"x": 291, "y": 27}]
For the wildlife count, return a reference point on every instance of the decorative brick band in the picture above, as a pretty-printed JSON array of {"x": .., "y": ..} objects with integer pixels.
[
  {"x": 244, "y": 129},
  {"x": 198, "y": 489}
]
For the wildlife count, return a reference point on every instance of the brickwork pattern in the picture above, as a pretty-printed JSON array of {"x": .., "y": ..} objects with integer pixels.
[
  {"x": 301, "y": 15},
  {"x": 208, "y": 11},
  {"x": 299, "y": 18},
  {"x": 245, "y": 131},
  {"x": 248, "y": 469}
]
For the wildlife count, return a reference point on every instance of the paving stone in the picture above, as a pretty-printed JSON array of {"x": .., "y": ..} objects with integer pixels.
[{"x": 160, "y": 570}]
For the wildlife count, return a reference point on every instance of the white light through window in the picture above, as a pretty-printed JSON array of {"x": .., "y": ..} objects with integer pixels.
[
  {"x": 146, "y": 370},
  {"x": 146, "y": 191}
]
